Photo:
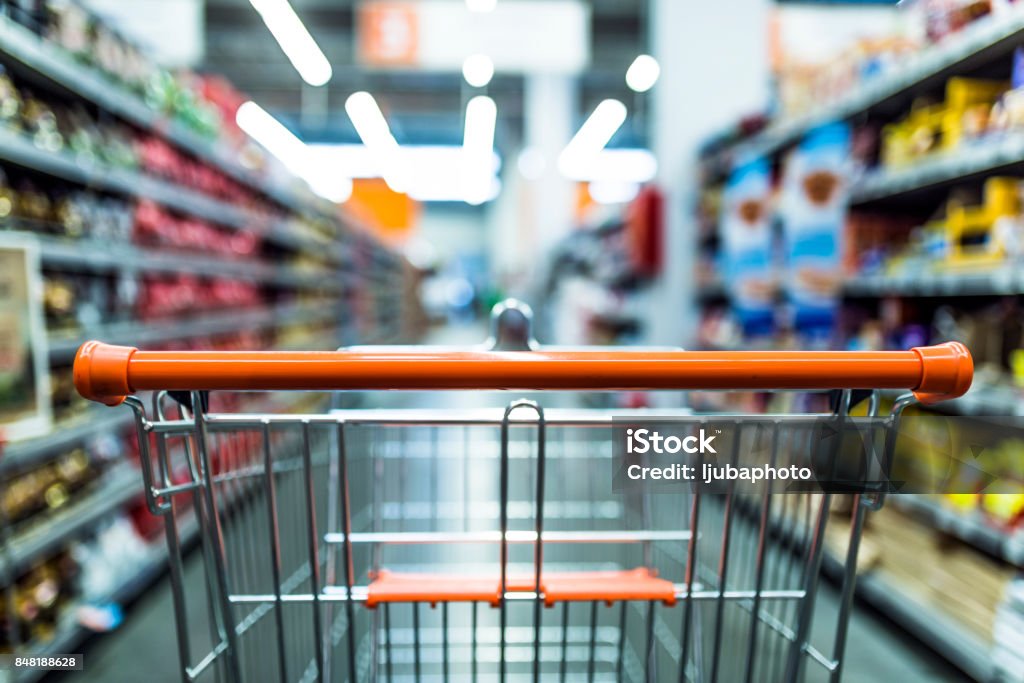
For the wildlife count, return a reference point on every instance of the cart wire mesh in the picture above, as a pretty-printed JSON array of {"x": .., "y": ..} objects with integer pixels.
[
  {"x": 489, "y": 545},
  {"x": 300, "y": 517}
]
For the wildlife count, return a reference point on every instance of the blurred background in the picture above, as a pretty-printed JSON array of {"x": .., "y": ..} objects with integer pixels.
[{"x": 272, "y": 174}]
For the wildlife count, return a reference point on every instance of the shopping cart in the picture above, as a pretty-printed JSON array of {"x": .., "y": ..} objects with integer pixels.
[{"x": 433, "y": 544}]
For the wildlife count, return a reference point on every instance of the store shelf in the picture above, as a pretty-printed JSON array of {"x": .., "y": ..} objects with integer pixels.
[
  {"x": 877, "y": 586},
  {"x": 50, "y": 61},
  {"x": 102, "y": 256},
  {"x": 995, "y": 281},
  {"x": 986, "y": 39},
  {"x": 938, "y": 631},
  {"x": 96, "y": 421},
  {"x": 988, "y": 156},
  {"x": 221, "y": 322},
  {"x": 70, "y": 634},
  {"x": 970, "y": 528},
  {"x": 114, "y": 490},
  {"x": 19, "y": 150}
]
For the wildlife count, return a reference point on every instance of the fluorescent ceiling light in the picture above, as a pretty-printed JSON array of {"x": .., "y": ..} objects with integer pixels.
[
  {"x": 613, "y": 191},
  {"x": 478, "y": 147},
  {"x": 272, "y": 134},
  {"x": 295, "y": 41},
  {"x": 643, "y": 73},
  {"x": 326, "y": 183},
  {"x": 481, "y": 5},
  {"x": 593, "y": 135},
  {"x": 357, "y": 161},
  {"x": 373, "y": 130},
  {"x": 434, "y": 187},
  {"x": 478, "y": 70},
  {"x": 613, "y": 165},
  {"x": 292, "y": 152},
  {"x": 433, "y": 172}
]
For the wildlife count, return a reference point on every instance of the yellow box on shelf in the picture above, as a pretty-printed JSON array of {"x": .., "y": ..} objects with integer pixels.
[
  {"x": 970, "y": 229},
  {"x": 969, "y": 103},
  {"x": 906, "y": 141},
  {"x": 942, "y": 126}
]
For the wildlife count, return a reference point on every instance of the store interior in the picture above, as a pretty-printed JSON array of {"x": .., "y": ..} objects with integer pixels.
[{"x": 314, "y": 175}]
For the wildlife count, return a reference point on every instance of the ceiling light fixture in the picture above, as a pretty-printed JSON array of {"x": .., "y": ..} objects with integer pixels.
[
  {"x": 433, "y": 172},
  {"x": 295, "y": 41},
  {"x": 478, "y": 148},
  {"x": 478, "y": 70},
  {"x": 273, "y": 135},
  {"x": 613, "y": 191},
  {"x": 291, "y": 151},
  {"x": 481, "y": 5},
  {"x": 373, "y": 130},
  {"x": 643, "y": 73},
  {"x": 615, "y": 165},
  {"x": 592, "y": 136}
]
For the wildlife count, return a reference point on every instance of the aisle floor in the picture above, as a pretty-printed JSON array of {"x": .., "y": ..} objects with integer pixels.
[{"x": 144, "y": 649}]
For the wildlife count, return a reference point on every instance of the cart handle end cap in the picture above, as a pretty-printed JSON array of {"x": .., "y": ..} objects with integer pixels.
[
  {"x": 946, "y": 372},
  {"x": 101, "y": 372}
]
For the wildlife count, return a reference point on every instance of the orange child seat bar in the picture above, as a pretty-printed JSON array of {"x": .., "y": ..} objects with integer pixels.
[
  {"x": 107, "y": 373},
  {"x": 606, "y": 586}
]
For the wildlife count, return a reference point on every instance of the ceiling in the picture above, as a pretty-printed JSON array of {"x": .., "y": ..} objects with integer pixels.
[{"x": 421, "y": 107}]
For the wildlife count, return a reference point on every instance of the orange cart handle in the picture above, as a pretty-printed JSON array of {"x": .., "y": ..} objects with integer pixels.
[{"x": 108, "y": 373}]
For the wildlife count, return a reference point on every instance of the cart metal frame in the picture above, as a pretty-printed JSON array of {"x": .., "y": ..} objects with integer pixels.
[{"x": 293, "y": 510}]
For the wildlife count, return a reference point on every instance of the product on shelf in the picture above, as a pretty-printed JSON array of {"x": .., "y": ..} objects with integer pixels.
[
  {"x": 163, "y": 296},
  {"x": 49, "y": 486},
  {"x": 72, "y": 27},
  {"x": 110, "y": 559},
  {"x": 963, "y": 115},
  {"x": 36, "y": 602},
  {"x": 10, "y": 102},
  {"x": 81, "y": 213},
  {"x": 971, "y": 232},
  {"x": 805, "y": 82},
  {"x": 155, "y": 226}
]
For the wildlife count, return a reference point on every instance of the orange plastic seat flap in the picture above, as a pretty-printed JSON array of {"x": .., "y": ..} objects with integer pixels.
[{"x": 605, "y": 586}]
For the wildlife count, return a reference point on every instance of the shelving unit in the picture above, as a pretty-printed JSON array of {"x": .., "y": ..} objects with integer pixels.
[
  {"x": 96, "y": 256},
  {"x": 986, "y": 157},
  {"x": 340, "y": 278},
  {"x": 1004, "y": 280},
  {"x": 969, "y": 528},
  {"x": 17, "y": 150},
  {"x": 49, "y": 61},
  {"x": 219, "y": 322},
  {"x": 984, "y": 40},
  {"x": 940, "y": 632},
  {"x": 114, "y": 489},
  {"x": 882, "y": 98},
  {"x": 70, "y": 634},
  {"x": 96, "y": 421}
]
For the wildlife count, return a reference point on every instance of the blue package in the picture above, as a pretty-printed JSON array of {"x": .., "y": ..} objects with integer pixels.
[
  {"x": 813, "y": 215},
  {"x": 747, "y": 247}
]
